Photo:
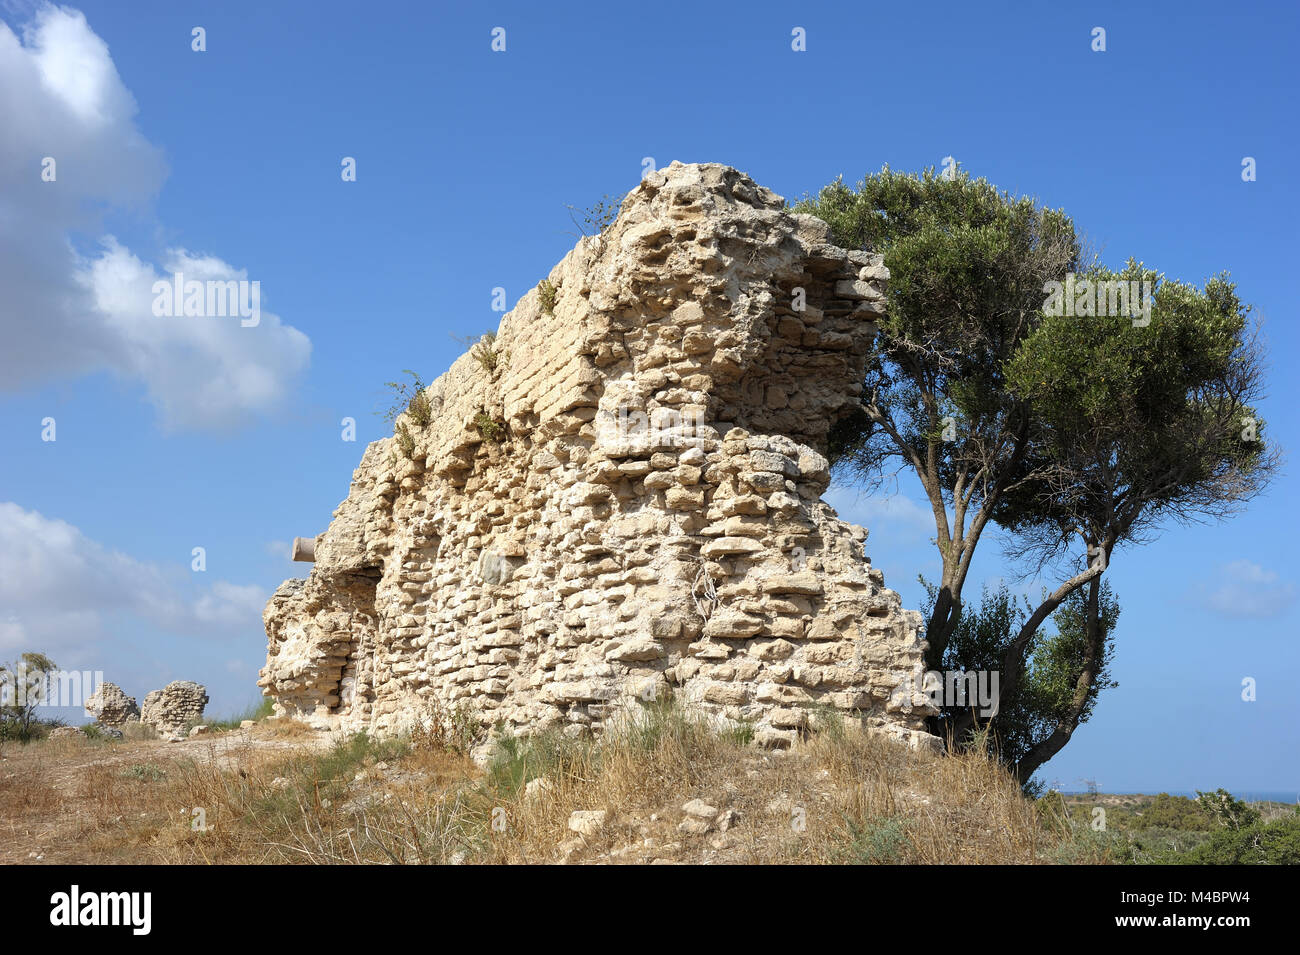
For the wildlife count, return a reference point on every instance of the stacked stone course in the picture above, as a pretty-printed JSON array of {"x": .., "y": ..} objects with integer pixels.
[
  {"x": 174, "y": 709},
  {"x": 651, "y": 518}
]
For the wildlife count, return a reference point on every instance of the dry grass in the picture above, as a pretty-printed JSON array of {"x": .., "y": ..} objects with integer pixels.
[{"x": 275, "y": 795}]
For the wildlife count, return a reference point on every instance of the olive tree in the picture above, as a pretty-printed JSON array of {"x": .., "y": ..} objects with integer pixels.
[
  {"x": 967, "y": 267},
  {"x": 1137, "y": 421}
]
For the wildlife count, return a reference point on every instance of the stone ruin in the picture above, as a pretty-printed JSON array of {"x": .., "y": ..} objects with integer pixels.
[
  {"x": 110, "y": 707},
  {"x": 174, "y": 709},
  {"x": 619, "y": 497}
]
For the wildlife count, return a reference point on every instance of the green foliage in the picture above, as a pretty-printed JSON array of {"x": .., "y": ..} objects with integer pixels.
[
  {"x": 1028, "y": 715},
  {"x": 405, "y": 440},
  {"x": 875, "y": 842},
  {"x": 959, "y": 252},
  {"x": 516, "y": 761},
  {"x": 1138, "y": 423},
  {"x": 665, "y": 719},
  {"x": 547, "y": 294},
  {"x": 23, "y": 687},
  {"x": 409, "y": 398},
  {"x": 1164, "y": 812},
  {"x": 345, "y": 757},
  {"x": 1214, "y": 829},
  {"x": 486, "y": 354},
  {"x": 489, "y": 428},
  {"x": 1226, "y": 810},
  {"x": 1274, "y": 843},
  {"x": 320, "y": 782},
  {"x": 146, "y": 772},
  {"x": 827, "y": 721},
  {"x": 967, "y": 265},
  {"x": 1085, "y": 846},
  {"x": 256, "y": 712},
  {"x": 739, "y": 733},
  {"x": 455, "y": 728},
  {"x": 1057, "y": 661},
  {"x": 1075, "y": 433},
  {"x": 412, "y": 401}
]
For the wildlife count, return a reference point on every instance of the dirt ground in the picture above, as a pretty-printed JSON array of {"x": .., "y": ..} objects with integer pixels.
[
  {"x": 671, "y": 792},
  {"x": 53, "y": 793}
]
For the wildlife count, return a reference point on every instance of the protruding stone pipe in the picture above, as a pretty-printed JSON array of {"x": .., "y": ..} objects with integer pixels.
[{"x": 304, "y": 548}]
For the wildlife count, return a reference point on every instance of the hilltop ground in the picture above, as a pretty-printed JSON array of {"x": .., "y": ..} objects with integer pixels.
[{"x": 666, "y": 789}]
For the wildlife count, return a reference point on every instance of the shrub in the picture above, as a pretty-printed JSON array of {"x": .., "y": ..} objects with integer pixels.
[
  {"x": 1226, "y": 810},
  {"x": 1275, "y": 843},
  {"x": 455, "y": 728},
  {"x": 1170, "y": 812},
  {"x": 405, "y": 441},
  {"x": 596, "y": 218},
  {"x": 874, "y": 842},
  {"x": 547, "y": 294},
  {"x": 23, "y": 686},
  {"x": 409, "y": 398},
  {"x": 516, "y": 761},
  {"x": 485, "y": 352},
  {"x": 147, "y": 772},
  {"x": 488, "y": 427}
]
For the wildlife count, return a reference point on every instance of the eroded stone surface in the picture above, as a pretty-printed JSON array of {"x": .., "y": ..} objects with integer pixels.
[
  {"x": 174, "y": 709},
  {"x": 110, "y": 706},
  {"x": 649, "y": 517}
]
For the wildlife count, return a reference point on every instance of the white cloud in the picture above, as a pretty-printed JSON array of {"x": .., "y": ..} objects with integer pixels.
[
  {"x": 870, "y": 509},
  {"x": 64, "y": 594},
  {"x": 200, "y": 372},
  {"x": 66, "y": 312},
  {"x": 75, "y": 67},
  {"x": 1243, "y": 588},
  {"x": 231, "y": 604}
]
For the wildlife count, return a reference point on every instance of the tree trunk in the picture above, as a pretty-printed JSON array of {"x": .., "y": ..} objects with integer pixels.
[
  {"x": 1013, "y": 661},
  {"x": 943, "y": 620},
  {"x": 1069, "y": 720},
  {"x": 944, "y": 617}
]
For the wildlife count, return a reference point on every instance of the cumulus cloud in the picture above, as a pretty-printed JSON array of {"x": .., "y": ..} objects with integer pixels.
[
  {"x": 76, "y": 300},
  {"x": 206, "y": 372},
  {"x": 63, "y": 593},
  {"x": 1243, "y": 588}
]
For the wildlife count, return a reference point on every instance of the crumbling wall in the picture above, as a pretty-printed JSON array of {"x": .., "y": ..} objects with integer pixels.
[{"x": 628, "y": 503}]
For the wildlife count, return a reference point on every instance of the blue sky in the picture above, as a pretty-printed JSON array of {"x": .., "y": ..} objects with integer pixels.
[{"x": 227, "y": 162}]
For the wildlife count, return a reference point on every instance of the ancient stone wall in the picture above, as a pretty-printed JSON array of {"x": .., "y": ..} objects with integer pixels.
[
  {"x": 175, "y": 708},
  {"x": 626, "y": 503}
]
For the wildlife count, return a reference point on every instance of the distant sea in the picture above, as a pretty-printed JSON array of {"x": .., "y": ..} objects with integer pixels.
[{"x": 1247, "y": 795}]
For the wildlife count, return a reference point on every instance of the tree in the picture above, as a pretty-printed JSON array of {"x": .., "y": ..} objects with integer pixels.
[
  {"x": 1077, "y": 432},
  {"x": 967, "y": 267},
  {"x": 1027, "y": 716},
  {"x": 1226, "y": 810},
  {"x": 1133, "y": 423},
  {"x": 23, "y": 686}
]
